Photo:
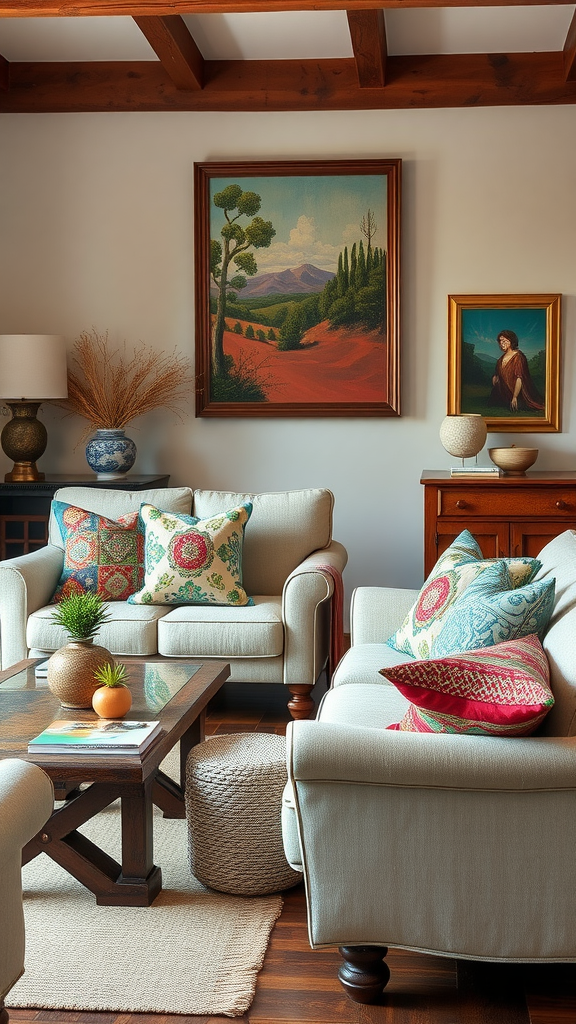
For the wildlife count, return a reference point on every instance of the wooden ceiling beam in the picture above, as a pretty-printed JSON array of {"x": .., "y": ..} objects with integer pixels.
[
  {"x": 163, "y": 8},
  {"x": 443, "y": 80},
  {"x": 4, "y": 74},
  {"x": 174, "y": 46},
  {"x": 570, "y": 52},
  {"x": 368, "y": 35}
]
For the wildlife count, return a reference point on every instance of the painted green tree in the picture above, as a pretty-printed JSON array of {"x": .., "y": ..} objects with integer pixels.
[{"x": 234, "y": 249}]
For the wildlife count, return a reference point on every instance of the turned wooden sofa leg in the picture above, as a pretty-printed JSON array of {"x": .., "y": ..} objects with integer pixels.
[
  {"x": 301, "y": 704},
  {"x": 3, "y": 1012},
  {"x": 364, "y": 973}
]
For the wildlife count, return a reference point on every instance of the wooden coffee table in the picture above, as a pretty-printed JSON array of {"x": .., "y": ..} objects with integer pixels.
[{"x": 175, "y": 694}]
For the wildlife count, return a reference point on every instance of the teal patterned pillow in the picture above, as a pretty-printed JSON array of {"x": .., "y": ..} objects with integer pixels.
[
  {"x": 488, "y": 613},
  {"x": 193, "y": 561},
  {"x": 454, "y": 571}
]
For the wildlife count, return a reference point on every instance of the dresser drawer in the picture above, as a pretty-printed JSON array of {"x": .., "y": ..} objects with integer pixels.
[{"x": 509, "y": 502}]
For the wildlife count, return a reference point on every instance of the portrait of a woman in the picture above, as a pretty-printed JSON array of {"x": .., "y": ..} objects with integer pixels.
[{"x": 512, "y": 384}]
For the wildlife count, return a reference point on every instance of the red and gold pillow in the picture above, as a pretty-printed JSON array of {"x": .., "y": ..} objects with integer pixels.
[
  {"x": 502, "y": 690},
  {"x": 101, "y": 556}
]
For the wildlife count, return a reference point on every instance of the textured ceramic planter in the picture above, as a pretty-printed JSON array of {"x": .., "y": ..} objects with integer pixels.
[
  {"x": 71, "y": 672},
  {"x": 110, "y": 453}
]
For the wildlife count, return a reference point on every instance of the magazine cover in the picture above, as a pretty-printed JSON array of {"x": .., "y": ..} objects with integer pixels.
[{"x": 107, "y": 735}]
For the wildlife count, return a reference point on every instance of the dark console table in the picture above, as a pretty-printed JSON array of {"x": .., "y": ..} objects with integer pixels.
[{"x": 25, "y": 507}]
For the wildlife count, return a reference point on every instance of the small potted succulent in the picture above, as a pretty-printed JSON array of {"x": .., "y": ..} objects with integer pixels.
[
  {"x": 71, "y": 668},
  {"x": 112, "y": 699}
]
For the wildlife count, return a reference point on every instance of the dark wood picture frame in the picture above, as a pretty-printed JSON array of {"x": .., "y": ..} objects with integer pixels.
[
  {"x": 330, "y": 345},
  {"x": 480, "y": 330}
]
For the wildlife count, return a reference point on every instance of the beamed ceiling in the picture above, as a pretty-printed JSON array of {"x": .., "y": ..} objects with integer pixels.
[{"x": 184, "y": 70}]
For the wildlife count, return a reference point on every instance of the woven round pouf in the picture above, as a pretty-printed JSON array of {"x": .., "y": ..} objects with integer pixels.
[{"x": 234, "y": 789}]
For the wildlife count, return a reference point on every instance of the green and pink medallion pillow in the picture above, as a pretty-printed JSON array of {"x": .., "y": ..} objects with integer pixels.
[
  {"x": 454, "y": 571},
  {"x": 193, "y": 561},
  {"x": 498, "y": 691},
  {"x": 101, "y": 556}
]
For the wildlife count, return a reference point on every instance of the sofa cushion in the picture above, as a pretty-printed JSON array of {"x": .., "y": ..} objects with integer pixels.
[
  {"x": 488, "y": 613},
  {"x": 105, "y": 501},
  {"x": 558, "y": 560},
  {"x": 501, "y": 690},
  {"x": 101, "y": 555},
  {"x": 132, "y": 629},
  {"x": 211, "y": 631},
  {"x": 454, "y": 571},
  {"x": 362, "y": 663},
  {"x": 193, "y": 561},
  {"x": 367, "y": 704},
  {"x": 285, "y": 527}
]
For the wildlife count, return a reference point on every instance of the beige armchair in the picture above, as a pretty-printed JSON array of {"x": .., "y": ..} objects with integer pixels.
[
  {"x": 26, "y": 801},
  {"x": 289, "y": 564},
  {"x": 456, "y": 845}
]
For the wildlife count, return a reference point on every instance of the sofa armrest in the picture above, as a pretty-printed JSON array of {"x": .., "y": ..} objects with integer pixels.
[
  {"x": 26, "y": 803},
  {"x": 379, "y": 757},
  {"x": 26, "y": 584},
  {"x": 377, "y": 612},
  {"x": 449, "y": 844},
  {"x": 306, "y": 638}
]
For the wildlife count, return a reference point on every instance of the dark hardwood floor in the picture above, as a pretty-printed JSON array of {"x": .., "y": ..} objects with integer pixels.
[{"x": 299, "y": 986}]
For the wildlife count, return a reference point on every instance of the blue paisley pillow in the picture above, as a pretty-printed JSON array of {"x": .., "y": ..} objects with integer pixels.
[
  {"x": 489, "y": 612},
  {"x": 193, "y": 561},
  {"x": 454, "y": 571}
]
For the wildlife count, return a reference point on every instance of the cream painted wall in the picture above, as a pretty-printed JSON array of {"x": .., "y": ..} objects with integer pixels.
[{"x": 96, "y": 220}]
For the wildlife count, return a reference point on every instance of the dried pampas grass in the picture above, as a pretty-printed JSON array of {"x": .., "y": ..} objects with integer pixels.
[{"x": 109, "y": 389}]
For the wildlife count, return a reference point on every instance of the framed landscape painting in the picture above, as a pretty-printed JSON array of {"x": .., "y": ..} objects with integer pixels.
[
  {"x": 297, "y": 288},
  {"x": 504, "y": 360}
]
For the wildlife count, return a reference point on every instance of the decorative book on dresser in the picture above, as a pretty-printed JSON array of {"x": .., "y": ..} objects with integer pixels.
[{"x": 508, "y": 515}]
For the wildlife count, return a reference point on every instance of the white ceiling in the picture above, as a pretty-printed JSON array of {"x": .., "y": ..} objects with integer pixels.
[{"x": 299, "y": 35}]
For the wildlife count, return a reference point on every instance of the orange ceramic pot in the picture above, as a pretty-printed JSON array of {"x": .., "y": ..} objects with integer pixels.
[{"x": 112, "y": 701}]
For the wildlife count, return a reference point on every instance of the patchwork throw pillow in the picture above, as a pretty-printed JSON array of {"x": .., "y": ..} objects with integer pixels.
[
  {"x": 101, "y": 556},
  {"x": 500, "y": 691},
  {"x": 454, "y": 571},
  {"x": 490, "y": 612},
  {"x": 193, "y": 561}
]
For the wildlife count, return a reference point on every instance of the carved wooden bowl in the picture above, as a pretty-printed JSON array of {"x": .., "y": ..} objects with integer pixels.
[{"x": 513, "y": 461}]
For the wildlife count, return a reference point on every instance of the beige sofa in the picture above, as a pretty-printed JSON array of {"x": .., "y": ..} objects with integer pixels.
[
  {"x": 283, "y": 638},
  {"x": 447, "y": 844},
  {"x": 26, "y": 802}
]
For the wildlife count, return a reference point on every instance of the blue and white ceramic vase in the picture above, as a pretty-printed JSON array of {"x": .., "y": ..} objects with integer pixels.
[{"x": 110, "y": 453}]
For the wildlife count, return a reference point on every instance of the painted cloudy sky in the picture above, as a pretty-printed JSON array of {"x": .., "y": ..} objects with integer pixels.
[{"x": 314, "y": 216}]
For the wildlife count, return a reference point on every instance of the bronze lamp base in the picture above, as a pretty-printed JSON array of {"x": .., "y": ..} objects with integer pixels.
[{"x": 24, "y": 440}]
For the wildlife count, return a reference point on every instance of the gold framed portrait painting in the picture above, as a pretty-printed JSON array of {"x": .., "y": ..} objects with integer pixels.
[{"x": 504, "y": 360}]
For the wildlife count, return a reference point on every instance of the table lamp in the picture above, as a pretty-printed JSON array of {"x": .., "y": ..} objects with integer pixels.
[{"x": 32, "y": 370}]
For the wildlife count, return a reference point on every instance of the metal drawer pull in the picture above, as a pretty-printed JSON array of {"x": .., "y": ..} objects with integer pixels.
[
  {"x": 561, "y": 504},
  {"x": 461, "y": 504}
]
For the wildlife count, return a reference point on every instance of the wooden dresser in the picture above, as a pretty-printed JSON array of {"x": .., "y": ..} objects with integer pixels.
[{"x": 507, "y": 515}]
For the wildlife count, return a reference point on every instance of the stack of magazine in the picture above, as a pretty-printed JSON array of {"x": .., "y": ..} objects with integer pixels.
[{"x": 107, "y": 736}]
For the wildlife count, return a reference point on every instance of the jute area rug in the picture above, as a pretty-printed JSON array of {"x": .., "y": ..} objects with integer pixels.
[{"x": 193, "y": 951}]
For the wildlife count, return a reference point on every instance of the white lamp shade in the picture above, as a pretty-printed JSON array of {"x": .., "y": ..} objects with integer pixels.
[
  {"x": 33, "y": 367},
  {"x": 463, "y": 436}
]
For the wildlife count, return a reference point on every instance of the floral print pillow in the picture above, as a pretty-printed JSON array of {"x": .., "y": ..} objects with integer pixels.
[{"x": 193, "y": 561}]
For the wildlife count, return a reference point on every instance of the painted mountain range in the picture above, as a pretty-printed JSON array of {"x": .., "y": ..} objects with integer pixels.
[{"x": 305, "y": 279}]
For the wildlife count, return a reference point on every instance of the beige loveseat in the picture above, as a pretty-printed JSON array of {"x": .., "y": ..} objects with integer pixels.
[
  {"x": 448, "y": 844},
  {"x": 26, "y": 802},
  {"x": 282, "y": 638}
]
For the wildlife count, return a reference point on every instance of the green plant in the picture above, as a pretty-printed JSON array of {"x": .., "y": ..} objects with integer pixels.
[
  {"x": 111, "y": 675},
  {"x": 81, "y": 615}
]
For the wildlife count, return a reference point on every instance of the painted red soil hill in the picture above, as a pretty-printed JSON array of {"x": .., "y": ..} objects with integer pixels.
[{"x": 340, "y": 365}]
